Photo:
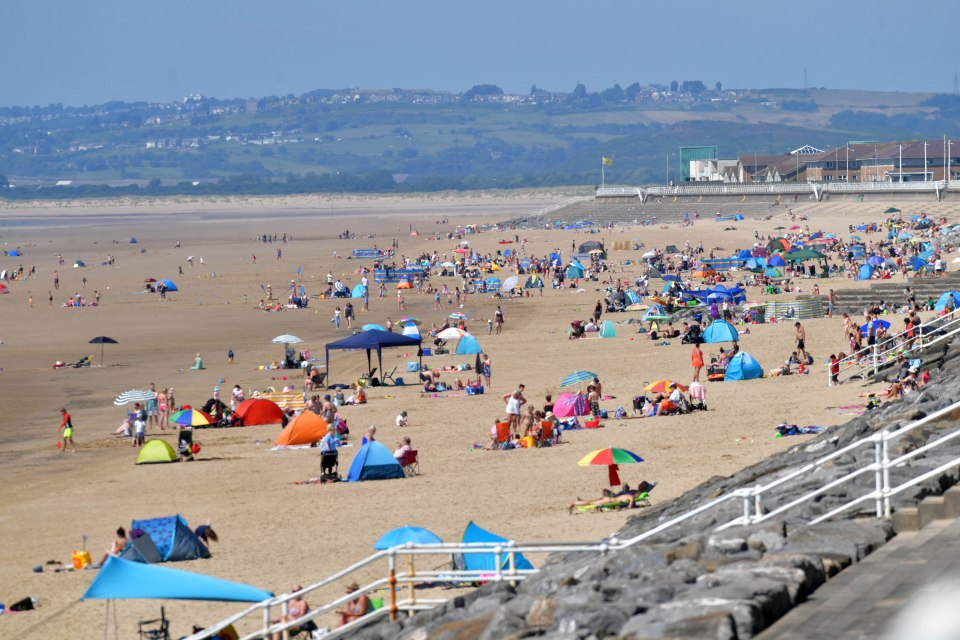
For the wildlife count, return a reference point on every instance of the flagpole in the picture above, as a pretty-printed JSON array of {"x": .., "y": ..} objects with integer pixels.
[{"x": 603, "y": 178}]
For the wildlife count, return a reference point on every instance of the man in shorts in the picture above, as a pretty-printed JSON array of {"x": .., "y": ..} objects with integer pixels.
[
  {"x": 801, "y": 341},
  {"x": 67, "y": 426}
]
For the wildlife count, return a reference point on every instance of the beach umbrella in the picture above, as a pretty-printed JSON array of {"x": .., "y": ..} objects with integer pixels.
[
  {"x": 373, "y": 327},
  {"x": 411, "y": 330},
  {"x": 776, "y": 261},
  {"x": 402, "y": 535},
  {"x": 102, "y": 340},
  {"x": 286, "y": 339},
  {"x": 509, "y": 284},
  {"x": 458, "y": 316},
  {"x": 192, "y": 418},
  {"x": 879, "y": 324},
  {"x": 611, "y": 458},
  {"x": 408, "y": 320},
  {"x": 134, "y": 395},
  {"x": 568, "y": 404},
  {"x": 720, "y": 331},
  {"x": 577, "y": 377},
  {"x": 452, "y": 333},
  {"x": 875, "y": 261},
  {"x": 663, "y": 386},
  {"x": 892, "y": 210}
]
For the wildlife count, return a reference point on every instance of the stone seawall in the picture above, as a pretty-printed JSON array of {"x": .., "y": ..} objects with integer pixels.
[{"x": 694, "y": 582}]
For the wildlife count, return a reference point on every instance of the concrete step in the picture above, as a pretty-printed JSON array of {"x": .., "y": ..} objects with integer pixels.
[
  {"x": 906, "y": 520},
  {"x": 951, "y": 500}
]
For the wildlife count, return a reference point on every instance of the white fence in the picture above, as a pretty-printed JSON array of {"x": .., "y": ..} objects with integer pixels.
[
  {"x": 754, "y": 511},
  {"x": 777, "y": 188}
]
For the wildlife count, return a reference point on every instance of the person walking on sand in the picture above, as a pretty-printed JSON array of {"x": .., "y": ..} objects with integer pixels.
[
  {"x": 498, "y": 319},
  {"x": 696, "y": 359},
  {"x": 486, "y": 363},
  {"x": 801, "y": 341},
  {"x": 67, "y": 426}
]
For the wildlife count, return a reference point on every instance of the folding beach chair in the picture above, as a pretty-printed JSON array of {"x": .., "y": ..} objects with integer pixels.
[
  {"x": 410, "y": 464},
  {"x": 388, "y": 376}
]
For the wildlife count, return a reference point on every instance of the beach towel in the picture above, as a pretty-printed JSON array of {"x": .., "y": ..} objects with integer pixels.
[{"x": 784, "y": 430}]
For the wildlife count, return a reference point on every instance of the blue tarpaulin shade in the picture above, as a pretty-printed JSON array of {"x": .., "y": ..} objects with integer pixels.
[
  {"x": 374, "y": 462},
  {"x": 487, "y": 561},
  {"x": 370, "y": 341},
  {"x": 122, "y": 579}
]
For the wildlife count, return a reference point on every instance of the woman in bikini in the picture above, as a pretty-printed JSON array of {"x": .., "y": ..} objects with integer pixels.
[
  {"x": 163, "y": 406},
  {"x": 296, "y": 608}
]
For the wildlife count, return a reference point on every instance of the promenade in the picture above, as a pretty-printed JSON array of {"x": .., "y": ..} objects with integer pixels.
[{"x": 864, "y": 600}]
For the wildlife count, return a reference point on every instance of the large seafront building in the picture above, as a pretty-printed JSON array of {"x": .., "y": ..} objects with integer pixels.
[{"x": 855, "y": 162}]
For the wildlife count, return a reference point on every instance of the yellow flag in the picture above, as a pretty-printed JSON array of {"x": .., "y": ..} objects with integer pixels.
[{"x": 607, "y": 161}]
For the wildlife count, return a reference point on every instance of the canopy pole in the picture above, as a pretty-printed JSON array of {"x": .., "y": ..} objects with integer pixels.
[{"x": 106, "y": 619}]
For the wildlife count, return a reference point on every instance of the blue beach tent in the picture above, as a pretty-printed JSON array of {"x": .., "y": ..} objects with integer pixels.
[
  {"x": 720, "y": 331},
  {"x": 488, "y": 561},
  {"x": 133, "y": 240},
  {"x": 166, "y": 539},
  {"x": 358, "y": 291},
  {"x": 948, "y": 301},
  {"x": 866, "y": 272},
  {"x": 374, "y": 462},
  {"x": 14, "y": 254},
  {"x": 468, "y": 345},
  {"x": 170, "y": 285},
  {"x": 743, "y": 367},
  {"x": 120, "y": 579}
]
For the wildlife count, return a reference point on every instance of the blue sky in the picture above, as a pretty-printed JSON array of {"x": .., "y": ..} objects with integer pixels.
[{"x": 90, "y": 52}]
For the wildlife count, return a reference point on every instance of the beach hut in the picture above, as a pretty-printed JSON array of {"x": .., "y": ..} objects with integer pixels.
[
  {"x": 166, "y": 539},
  {"x": 743, "y": 366},
  {"x": 487, "y": 561},
  {"x": 306, "y": 429},
  {"x": 259, "y": 411},
  {"x": 156, "y": 451},
  {"x": 374, "y": 462}
]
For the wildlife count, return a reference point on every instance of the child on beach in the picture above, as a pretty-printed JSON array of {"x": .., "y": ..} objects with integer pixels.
[{"x": 67, "y": 426}]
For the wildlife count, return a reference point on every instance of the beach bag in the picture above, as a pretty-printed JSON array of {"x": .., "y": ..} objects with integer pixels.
[
  {"x": 620, "y": 414},
  {"x": 413, "y": 367}
]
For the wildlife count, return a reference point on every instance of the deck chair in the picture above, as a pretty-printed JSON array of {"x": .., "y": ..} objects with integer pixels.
[
  {"x": 410, "y": 464},
  {"x": 503, "y": 432},
  {"x": 158, "y": 629},
  {"x": 388, "y": 376},
  {"x": 546, "y": 434}
]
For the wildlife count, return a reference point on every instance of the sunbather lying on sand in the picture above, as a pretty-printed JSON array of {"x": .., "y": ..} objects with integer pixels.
[{"x": 627, "y": 497}]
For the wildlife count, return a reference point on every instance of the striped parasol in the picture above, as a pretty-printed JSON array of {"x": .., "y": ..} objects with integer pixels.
[
  {"x": 509, "y": 284},
  {"x": 192, "y": 418},
  {"x": 577, "y": 377},
  {"x": 663, "y": 386},
  {"x": 612, "y": 458},
  {"x": 134, "y": 395}
]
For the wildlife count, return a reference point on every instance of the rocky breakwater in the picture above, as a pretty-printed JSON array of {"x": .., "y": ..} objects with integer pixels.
[{"x": 692, "y": 581}]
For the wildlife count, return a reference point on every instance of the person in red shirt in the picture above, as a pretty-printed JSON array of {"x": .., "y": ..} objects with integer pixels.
[{"x": 834, "y": 369}]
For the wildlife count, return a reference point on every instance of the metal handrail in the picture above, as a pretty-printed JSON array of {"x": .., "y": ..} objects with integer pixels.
[
  {"x": 852, "y": 366},
  {"x": 753, "y": 513}
]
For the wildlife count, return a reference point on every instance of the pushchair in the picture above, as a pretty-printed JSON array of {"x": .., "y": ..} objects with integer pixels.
[
  {"x": 576, "y": 329},
  {"x": 329, "y": 466},
  {"x": 440, "y": 347},
  {"x": 693, "y": 335},
  {"x": 185, "y": 444}
]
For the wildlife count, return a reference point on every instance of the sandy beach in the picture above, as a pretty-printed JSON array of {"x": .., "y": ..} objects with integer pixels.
[{"x": 275, "y": 533}]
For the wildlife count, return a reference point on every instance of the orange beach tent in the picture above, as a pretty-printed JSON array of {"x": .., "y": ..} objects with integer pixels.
[{"x": 306, "y": 428}]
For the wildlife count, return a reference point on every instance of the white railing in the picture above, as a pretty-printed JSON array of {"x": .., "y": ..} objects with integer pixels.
[
  {"x": 609, "y": 192},
  {"x": 870, "y": 357},
  {"x": 694, "y": 189},
  {"x": 872, "y": 187},
  {"x": 754, "y": 511},
  {"x": 505, "y": 554},
  {"x": 561, "y": 205}
]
